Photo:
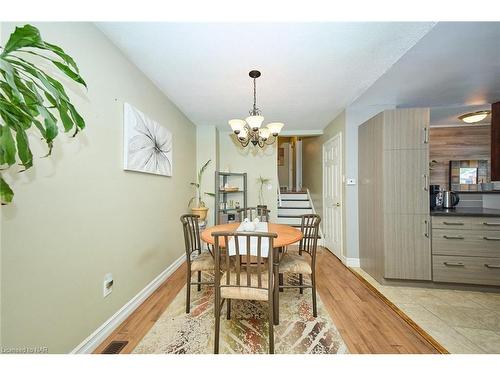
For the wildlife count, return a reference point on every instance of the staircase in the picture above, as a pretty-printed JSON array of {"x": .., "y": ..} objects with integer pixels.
[{"x": 291, "y": 206}]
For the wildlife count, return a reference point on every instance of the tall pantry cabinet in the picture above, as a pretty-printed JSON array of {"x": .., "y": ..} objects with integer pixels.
[{"x": 394, "y": 218}]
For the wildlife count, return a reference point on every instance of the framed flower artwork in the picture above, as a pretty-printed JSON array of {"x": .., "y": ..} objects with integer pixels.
[{"x": 147, "y": 145}]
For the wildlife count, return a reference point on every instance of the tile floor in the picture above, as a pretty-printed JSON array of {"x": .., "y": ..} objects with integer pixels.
[{"x": 461, "y": 321}]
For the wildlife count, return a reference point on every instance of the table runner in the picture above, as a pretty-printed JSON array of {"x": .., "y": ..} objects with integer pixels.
[{"x": 242, "y": 241}]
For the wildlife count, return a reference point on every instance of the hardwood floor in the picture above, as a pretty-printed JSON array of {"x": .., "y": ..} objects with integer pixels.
[{"x": 367, "y": 324}]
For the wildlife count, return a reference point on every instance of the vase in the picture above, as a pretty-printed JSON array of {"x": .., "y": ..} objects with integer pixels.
[{"x": 200, "y": 211}]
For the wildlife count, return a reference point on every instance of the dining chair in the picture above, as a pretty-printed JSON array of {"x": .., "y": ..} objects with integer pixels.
[
  {"x": 243, "y": 280},
  {"x": 196, "y": 259},
  {"x": 253, "y": 212},
  {"x": 303, "y": 265}
]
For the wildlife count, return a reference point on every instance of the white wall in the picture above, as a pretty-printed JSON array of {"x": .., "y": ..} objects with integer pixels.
[
  {"x": 78, "y": 215},
  {"x": 256, "y": 162}
]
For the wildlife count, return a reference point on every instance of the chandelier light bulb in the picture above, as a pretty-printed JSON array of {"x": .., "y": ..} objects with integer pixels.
[
  {"x": 237, "y": 125},
  {"x": 243, "y": 134},
  {"x": 254, "y": 122},
  {"x": 264, "y": 133},
  {"x": 275, "y": 128}
]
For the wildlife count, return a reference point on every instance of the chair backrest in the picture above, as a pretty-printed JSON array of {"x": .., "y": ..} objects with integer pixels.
[
  {"x": 248, "y": 266},
  {"x": 309, "y": 227},
  {"x": 191, "y": 233},
  {"x": 254, "y": 212}
]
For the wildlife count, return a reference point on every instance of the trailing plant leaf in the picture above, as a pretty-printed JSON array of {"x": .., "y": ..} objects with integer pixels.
[
  {"x": 197, "y": 186},
  {"x": 5, "y": 191},
  {"x": 30, "y": 95}
]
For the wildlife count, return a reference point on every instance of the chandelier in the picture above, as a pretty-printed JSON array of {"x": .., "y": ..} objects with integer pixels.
[{"x": 250, "y": 130}]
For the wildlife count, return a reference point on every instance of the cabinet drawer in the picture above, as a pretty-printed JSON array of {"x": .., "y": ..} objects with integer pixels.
[
  {"x": 453, "y": 222},
  {"x": 466, "y": 270},
  {"x": 466, "y": 242},
  {"x": 485, "y": 223}
]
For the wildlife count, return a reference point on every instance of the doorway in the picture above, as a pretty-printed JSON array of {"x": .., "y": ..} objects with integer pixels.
[
  {"x": 290, "y": 163},
  {"x": 332, "y": 195}
]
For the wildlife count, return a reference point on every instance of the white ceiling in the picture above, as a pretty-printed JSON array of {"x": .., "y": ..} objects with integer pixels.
[
  {"x": 310, "y": 72},
  {"x": 456, "y": 64}
]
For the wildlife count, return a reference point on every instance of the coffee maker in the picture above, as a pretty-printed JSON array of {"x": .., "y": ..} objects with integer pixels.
[{"x": 435, "y": 197}]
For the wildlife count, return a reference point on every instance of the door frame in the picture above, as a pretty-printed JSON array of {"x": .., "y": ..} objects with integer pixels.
[
  {"x": 298, "y": 164},
  {"x": 338, "y": 136}
]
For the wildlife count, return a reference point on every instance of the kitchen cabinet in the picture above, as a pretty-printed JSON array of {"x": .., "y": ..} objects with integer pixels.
[
  {"x": 466, "y": 250},
  {"x": 394, "y": 221}
]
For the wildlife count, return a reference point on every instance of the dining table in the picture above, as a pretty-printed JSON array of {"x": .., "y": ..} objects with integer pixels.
[{"x": 287, "y": 235}]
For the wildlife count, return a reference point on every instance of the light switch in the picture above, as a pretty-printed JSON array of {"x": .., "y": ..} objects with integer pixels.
[{"x": 351, "y": 181}]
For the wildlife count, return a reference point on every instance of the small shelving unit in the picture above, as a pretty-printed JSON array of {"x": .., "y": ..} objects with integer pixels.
[{"x": 223, "y": 198}]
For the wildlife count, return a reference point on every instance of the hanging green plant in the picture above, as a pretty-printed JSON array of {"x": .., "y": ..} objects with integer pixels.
[{"x": 31, "y": 96}]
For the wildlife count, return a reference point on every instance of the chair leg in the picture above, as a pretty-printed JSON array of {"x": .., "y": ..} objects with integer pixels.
[
  {"x": 313, "y": 282},
  {"x": 199, "y": 281},
  {"x": 271, "y": 328},
  {"x": 188, "y": 291},
  {"x": 217, "y": 324},
  {"x": 281, "y": 281},
  {"x": 301, "y": 282},
  {"x": 276, "y": 297},
  {"x": 228, "y": 309}
]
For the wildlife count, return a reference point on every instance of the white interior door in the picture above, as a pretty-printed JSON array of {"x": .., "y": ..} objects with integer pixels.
[{"x": 332, "y": 194}]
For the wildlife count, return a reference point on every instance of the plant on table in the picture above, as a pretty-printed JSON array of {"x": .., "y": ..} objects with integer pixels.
[{"x": 200, "y": 208}]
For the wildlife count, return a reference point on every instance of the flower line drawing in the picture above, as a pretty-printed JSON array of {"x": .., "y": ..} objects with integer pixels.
[{"x": 149, "y": 146}]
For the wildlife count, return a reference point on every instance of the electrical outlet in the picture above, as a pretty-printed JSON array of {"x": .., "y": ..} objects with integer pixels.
[{"x": 107, "y": 286}]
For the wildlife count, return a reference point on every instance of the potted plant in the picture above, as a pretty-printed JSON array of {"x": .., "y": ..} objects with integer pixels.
[
  {"x": 199, "y": 209},
  {"x": 32, "y": 97},
  {"x": 262, "y": 181}
]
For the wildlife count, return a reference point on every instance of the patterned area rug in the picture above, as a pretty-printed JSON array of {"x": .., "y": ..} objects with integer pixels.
[{"x": 247, "y": 332}]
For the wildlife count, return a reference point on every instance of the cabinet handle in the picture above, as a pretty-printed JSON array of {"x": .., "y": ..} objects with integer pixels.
[
  {"x": 492, "y": 238},
  {"x": 453, "y": 264},
  {"x": 426, "y": 185},
  {"x": 427, "y": 228},
  {"x": 426, "y": 136},
  {"x": 453, "y": 237},
  {"x": 452, "y": 223},
  {"x": 492, "y": 224},
  {"x": 496, "y": 266}
]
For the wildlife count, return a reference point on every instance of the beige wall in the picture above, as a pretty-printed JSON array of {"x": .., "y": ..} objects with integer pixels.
[
  {"x": 78, "y": 215},
  {"x": 206, "y": 149},
  {"x": 256, "y": 162},
  {"x": 312, "y": 163}
]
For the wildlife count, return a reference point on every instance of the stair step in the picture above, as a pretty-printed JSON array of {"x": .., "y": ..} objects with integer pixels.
[
  {"x": 294, "y": 203},
  {"x": 294, "y": 196},
  {"x": 294, "y": 221},
  {"x": 294, "y": 211}
]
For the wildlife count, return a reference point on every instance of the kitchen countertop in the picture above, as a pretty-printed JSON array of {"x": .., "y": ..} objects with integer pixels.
[{"x": 467, "y": 211}]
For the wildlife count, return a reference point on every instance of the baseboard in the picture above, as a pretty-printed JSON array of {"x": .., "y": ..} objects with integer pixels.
[
  {"x": 100, "y": 334},
  {"x": 350, "y": 262}
]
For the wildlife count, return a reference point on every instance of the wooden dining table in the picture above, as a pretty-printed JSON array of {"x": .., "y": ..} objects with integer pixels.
[{"x": 287, "y": 235}]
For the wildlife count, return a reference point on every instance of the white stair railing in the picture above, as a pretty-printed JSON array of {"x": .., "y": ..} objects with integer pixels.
[
  {"x": 321, "y": 241},
  {"x": 279, "y": 191}
]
